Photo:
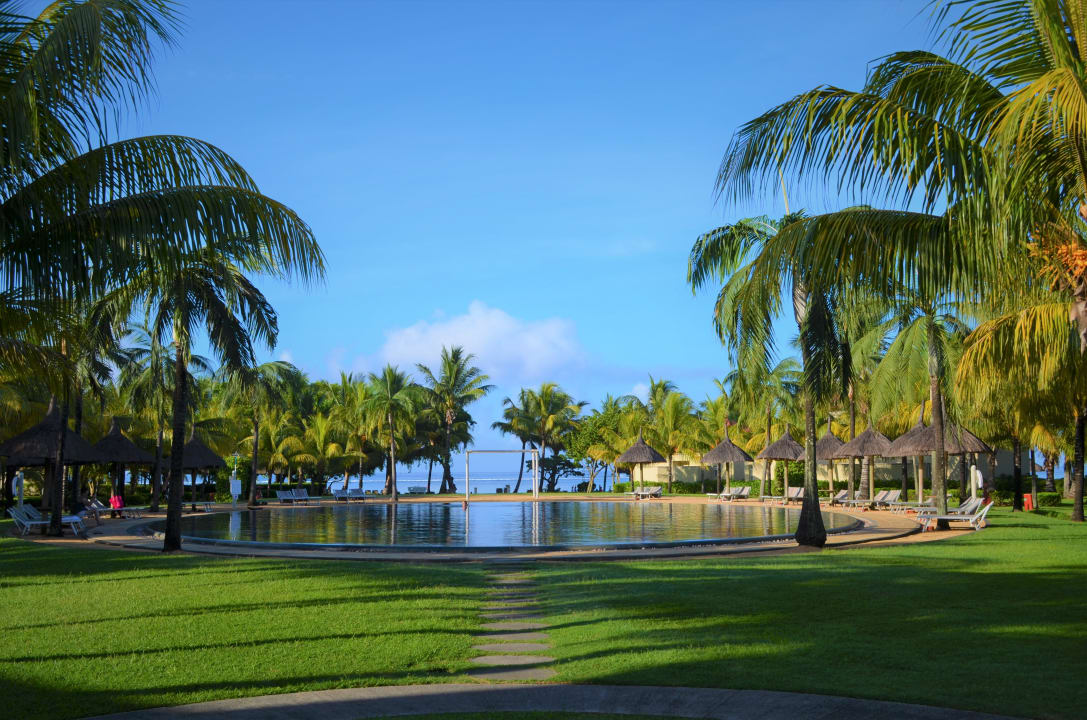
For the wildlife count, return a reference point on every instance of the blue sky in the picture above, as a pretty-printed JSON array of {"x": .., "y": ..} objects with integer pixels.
[{"x": 522, "y": 178}]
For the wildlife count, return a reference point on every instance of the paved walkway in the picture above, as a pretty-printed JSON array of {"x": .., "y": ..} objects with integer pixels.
[
  {"x": 512, "y": 630},
  {"x": 355, "y": 703}
]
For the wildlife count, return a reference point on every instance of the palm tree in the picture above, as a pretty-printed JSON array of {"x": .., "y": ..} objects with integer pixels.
[
  {"x": 456, "y": 385},
  {"x": 209, "y": 290},
  {"x": 320, "y": 449},
  {"x": 257, "y": 389},
  {"x": 759, "y": 395},
  {"x": 672, "y": 428},
  {"x": 353, "y": 415},
  {"x": 393, "y": 403},
  {"x": 552, "y": 412},
  {"x": 515, "y": 421}
]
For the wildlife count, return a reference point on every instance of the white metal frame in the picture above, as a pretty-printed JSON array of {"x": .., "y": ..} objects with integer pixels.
[{"x": 529, "y": 451}]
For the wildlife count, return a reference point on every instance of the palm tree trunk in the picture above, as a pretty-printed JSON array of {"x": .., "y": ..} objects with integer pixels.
[
  {"x": 1050, "y": 478},
  {"x": 766, "y": 463},
  {"x": 810, "y": 530},
  {"x": 939, "y": 458},
  {"x": 1017, "y": 475},
  {"x": 73, "y": 497},
  {"x": 963, "y": 489},
  {"x": 156, "y": 473},
  {"x": 1077, "y": 466},
  {"x": 520, "y": 468},
  {"x": 175, "y": 495},
  {"x": 446, "y": 468},
  {"x": 670, "y": 472},
  {"x": 866, "y": 479},
  {"x": 55, "y": 527},
  {"x": 429, "y": 473},
  {"x": 392, "y": 457},
  {"x": 905, "y": 480},
  {"x": 253, "y": 464},
  {"x": 852, "y": 434}
]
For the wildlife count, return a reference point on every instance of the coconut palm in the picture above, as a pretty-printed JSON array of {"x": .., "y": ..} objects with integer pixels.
[
  {"x": 354, "y": 417},
  {"x": 515, "y": 421},
  {"x": 759, "y": 395},
  {"x": 393, "y": 403},
  {"x": 257, "y": 389},
  {"x": 456, "y": 385},
  {"x": 672, "y": 428},
  {"x": 552, "y": 412},
  {"x": 321, "y": 449}
]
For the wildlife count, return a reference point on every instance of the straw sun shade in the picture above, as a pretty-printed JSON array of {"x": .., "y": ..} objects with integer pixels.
[
  {"x": 115, "y": 447},
  {"x": 869, "y": 443},
  {"x": 784, "y": 449},
  {"x": 827, "y": 445},
  {"x": 726, "y": 452},
  {"x": 921, "y": 440},
  {"x": 198, "y": 456},
  {"x": 38, "y": 445},
  {"x": 639, "y": 454}
]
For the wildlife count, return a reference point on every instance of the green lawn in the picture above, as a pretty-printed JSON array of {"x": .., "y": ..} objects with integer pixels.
[
  {"x": 91, "y": 631},
  {"x": 993, "y": 621}
]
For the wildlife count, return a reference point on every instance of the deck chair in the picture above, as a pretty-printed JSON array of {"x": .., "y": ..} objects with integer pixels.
[
  {"x": 340, "y": 495},
  {"x": 285, "y": 496},
  {"x": 880, "y": 497},
  {"x": 976, "y": 520},
  {"x": 795, "y": 493},
  {"x": 741, "y": 493},
  {"x": 356, "y": 494},
  {"x": 890, "y": 497},
  {"x": 841, "y": 497}
]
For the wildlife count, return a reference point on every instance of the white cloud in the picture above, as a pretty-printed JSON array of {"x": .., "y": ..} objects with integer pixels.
[
  {"x": 511, "y": 350},
  {"x": 286, "y": 356},
  {"x": 640, "y": 391}
]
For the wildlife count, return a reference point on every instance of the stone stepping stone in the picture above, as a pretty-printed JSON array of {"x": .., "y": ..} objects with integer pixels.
[
  {"x": 511, "y": 660},
  {"x": 513, "y": 637},
  {"x": 512, "y": 674},
  {"x": 510, "y": 625},
  {"x": 511, "y": 615},
  {"x": 513, "y": 581},
  {"x": 512, "y": 647},
  {"x": 510, "y": 606},
  {"x": 500, "y": 594}
]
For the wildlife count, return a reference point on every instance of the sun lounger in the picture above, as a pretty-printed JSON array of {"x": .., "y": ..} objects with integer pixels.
[
  {"x": 967, "y": 508},
  {"x": 976, "y": 520},
  {"x": 654, "y": 492},
  {"x": 341, "y": 495},
  {"x": 771, "y": 498},
  {"x": 419, "y": 490},
  {"x": 890, "y": 497},
  {"x": 795, "y": 493},
  {"x": 356, "y": 494},
  {"x": 880, "y": 497},
  {"x": 903, "y": 507},
  {"x": 841, "y": 497},
  {"x": 285, "y": 496},
  {"x": 305, "y": 498},
  {"x": 28, "y": 516},
  {"x": 741, "y": 493}
]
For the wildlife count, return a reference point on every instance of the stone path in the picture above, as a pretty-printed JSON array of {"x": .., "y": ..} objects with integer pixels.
[{"x": 512, "y": 629}]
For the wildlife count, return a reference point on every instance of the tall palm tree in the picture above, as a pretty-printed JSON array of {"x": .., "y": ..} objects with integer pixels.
[
  {"x": 515, "y": 421},
  {"x": 456, "y": 385},
  {"x": 759, "y": 395},
  {"x": 672, "y": 428},
  {"x": 209, "y": 290},
  {"x": 320, "y": 447},
  {"x": 354, "y": 416},
  {"x": 393, "y": 403},
  {"x": 552, "y": 412},
  {"x": 257, "y": 389}
]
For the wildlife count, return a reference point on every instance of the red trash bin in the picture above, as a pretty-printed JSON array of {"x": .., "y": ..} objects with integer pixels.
[{"x": 1028, "y": 502}]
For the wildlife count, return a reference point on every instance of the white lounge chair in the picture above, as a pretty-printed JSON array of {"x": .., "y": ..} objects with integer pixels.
[
  {"x": 967, "y": 508},
  {"x": 356, "y": 494},
  {"x": 904, "y": 507},
  {"x": 285, "y": 496},
  {"x": 28, "y": 516},
  {"x": 653, "y": 492},
  {"x": 880, "y": 497},
  {"x": 741, "y": 493},
  {"x": 304, "y": 497},
  {"x": 23, "y": 522},
  {"x": 841, "y": 497},
  {"x": 340, "y": 495},
  {"x": 890, "y": 497},
  {"x": 419, "y": 490},
  {"x": 976, "y": 520},
  {"x": 795, "y": 493}
]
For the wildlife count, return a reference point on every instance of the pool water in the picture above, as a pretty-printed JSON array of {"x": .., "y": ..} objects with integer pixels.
[{"x": 500, "y": 525}]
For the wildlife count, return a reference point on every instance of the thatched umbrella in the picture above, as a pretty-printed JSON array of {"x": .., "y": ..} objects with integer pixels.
[
  {"x": 119, "y": 450},
  {"x": 825, "y": 447},
  {"x": 38, "y": 445},
  {"x": 907, "y": 445},
  {"x": 639, "y": 454},
  {"x": 784, "y": 449},
  {"x": 726, "y": 452},
  {"x": 869, "y": 444},
  {"x": 198, "y": 456}
]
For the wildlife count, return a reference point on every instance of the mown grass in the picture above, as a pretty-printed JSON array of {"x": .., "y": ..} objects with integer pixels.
[
  {"x": 90, "y": 631},
  {"x": 993, "y": 621}
]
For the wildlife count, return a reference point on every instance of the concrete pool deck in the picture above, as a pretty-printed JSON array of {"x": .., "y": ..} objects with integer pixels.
[{"x": 878, "y": 527}]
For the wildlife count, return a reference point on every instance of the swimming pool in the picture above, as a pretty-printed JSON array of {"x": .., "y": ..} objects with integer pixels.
[{"x": 545, "y": 525}]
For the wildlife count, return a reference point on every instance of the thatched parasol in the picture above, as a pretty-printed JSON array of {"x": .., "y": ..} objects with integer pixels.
[
  {"x": 115, "y": 447},
  {"x": 960, "y": 441},
  {"x": 38, "y": 445},
  {"x": 825, "y": 447},
  {"x": 908, "y": 443},
  {"x": 639, "y": 454},
  {"x": 784, "y": 449},
  {"x": 198, "y": 456},
  {"x": 726, "y": 452},
  {"x": 869, "y": 444}
]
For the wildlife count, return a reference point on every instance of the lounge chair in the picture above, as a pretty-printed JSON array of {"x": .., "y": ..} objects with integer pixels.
[
  {"x": 420, "y": 490},
  {"x": 28, "y": 516},
  {"x": 771, "y": 498},
  {"x": 795, "y": 493},
  {"x": 890, "y": 497},
  {"x": 340, "y": 495},
  {"x": 880, "y": 497},
  {"x": 285, "y": 496},
  {"x": 356, "y": 494},
  {"x": 976, "y": 520},
  {"x": 304, "y": 497},
  {"x": 904, "y": 507},
  {"x": 741, "y": 493},
  {"x": 967, "y": 508},
  {"x": 841, "y": 497},
  {"x": 653, "y": 492}
]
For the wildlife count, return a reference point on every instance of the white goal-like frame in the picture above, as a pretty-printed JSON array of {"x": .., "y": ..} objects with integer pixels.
[{"x": 527, "y": 451}]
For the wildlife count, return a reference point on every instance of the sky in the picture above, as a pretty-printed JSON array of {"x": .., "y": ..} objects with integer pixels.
[{"x": 525, "y": 179}]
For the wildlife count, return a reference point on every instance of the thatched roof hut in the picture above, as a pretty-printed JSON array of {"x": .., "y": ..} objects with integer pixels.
[
  {"x": 198, "y": 456},
  {"x": 921, "y": 440},
  {"x": 869, "y": 443},
  {"x": 115, "y": 447},
  {"x": 38, "y": 445},
  {"x": 965, "y": 441},
  {"x": 639, "y": 453},
  {"x": 826, "y": 446},
  {"x": 784, "y": 449},
  {"x": 906, "y": 444},
  {"x": 726, "y": 452}
]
